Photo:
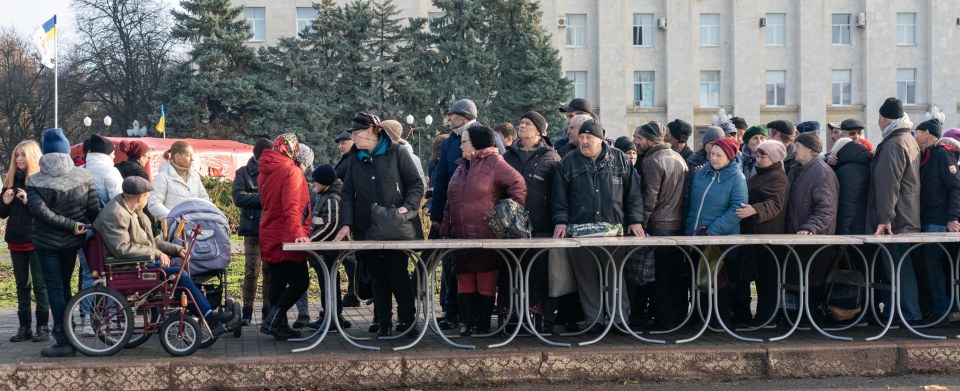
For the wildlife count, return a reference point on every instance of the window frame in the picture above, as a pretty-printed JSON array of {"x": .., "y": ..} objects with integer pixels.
[
  {"x": 848, "y": 82},
  {"x": 909, "y": 87},
  {"x": 572, "y": 77},
  {"x": 309, "y": 21},
  {"x": 639, "y": 85},
  {"x": 575, "y": 31},
  {"x": 712, "y": 89},
  {"x": 772, "y": 29},
  {"x": 779, "y": 95},
  {"x": 641, "y": 28},
  {"x": 837, "y": 30},
  {"x": 903, "y": 28},
  {"x": 251, "y": 20},
  {"x": 712, "y": 30}
]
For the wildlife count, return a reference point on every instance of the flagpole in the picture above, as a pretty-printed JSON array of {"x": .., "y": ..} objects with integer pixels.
[{"x": 56, "y": 71}]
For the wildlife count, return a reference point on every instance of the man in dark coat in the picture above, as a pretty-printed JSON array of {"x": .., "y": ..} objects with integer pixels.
[
  {"x": 784, "y": 132},
  {"x": 679, "y": 133},
  {"x": 246, "y": 196},
  {"x": 939, "y": 210},
  {"x": 577, "y": 106},
  {"x": 852, "y": 166},
  {"x": 344, "y": 145},
  {"x": 595, "y": 184}
]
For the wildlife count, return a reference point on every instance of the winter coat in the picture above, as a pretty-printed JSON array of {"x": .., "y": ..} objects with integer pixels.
[
  {"x": 939, "y": 185},
  {"x": 60, "y": 196},
  {"x": 749, "y": 162},
  {"x": 19, "y": 221},
  {"x": 767, "y": 192},
  {"x": 537, "y": 171},
  {"x": 130, "y": 168},
  {"x": 714, "y": 197},
  {"x": 853, "y": 176},
  {"x": 416, "y": 160},
  {"x": 169, "y": 190},
  {"x": 106, "y": 177},
  {"x": 813, "y": 198},
  {"x": 286, "y": 207},
  {"x": 446, "y": 166},
  {"x": 388, "y": 179},
  {"x": 662, "y": 176},
  {"x": 326, "y": 213},
  {"x": 474, "y": 189},
  {"x": 697, "y": 160},
  {"x": 566, "y": 148},
  {"x": 791, "y": 159},
  {"x": 592, "y": 191},
  {"x": 342, "y": 166},
  {"x": 685, "y": 152},
  {"x": 246, "y": 196},
  {"x": 894, "y": 196},
  {"x": 129, "y": 235}
]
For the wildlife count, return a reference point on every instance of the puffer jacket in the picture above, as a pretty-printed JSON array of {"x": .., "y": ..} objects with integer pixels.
[
  {"x": 60, "y": 196},
  {"x": 767, "y": 191},
  {"x": 662, "y": 176},
  {"x": 713, "y": 200},
  {"x": 19, "y": 221},
  {"x": 169, "y": 190},
  {"x": 388, "y": 178},
  {"x": 246, "y": 196},
  {"x": 894, "y": 196},
  {"x": 286, "y": 204},
  {"x": 605, "y": 190},
  {"x": 326, "y": 213},
  {"x": 474, "y": 189},
  {"x": 939, "y": 185},
  {"x": 106, "y": 177},
  {"x": 446, "y": 166},
  {"x": 537, "y": 171},
  {"x": 130, "y": 168},
  {"x": 853, "y": 177},
  {"x": 813, "y": 198}
]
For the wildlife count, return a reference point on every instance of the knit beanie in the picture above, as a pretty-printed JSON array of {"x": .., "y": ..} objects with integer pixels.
[
  {"x": 892, "y": 108},
  {"x": 260, "y": 146},
  {"x": 100, "y": 144},
  {"x": 134, "y": 149},
  {"x": 325, "y": 174},
  {"x": 305, "y": 155},
  {"x": 837, "y": 146},
  {"x": 712, "y": 134},
  {"x": 652, "y": 131},
  {"x": 482, "y": 137},
  {"x": 773, "y": 149},
  {"x": 933, "y": 126},
  {"x": 592, "y": 127},
  {"x": 753, "y": 131},
  {"x": 953, "y": 133},
  {"x": 393, "y": 129},
  {"x": 53, "y": 141},
  {"x": 680, "y": 130},
  {"x": 465, "y": 108},
  {"x": 538, "y": 121},
  {"x": 728, "y": 145},
  {"x": 810, "y": 140},
  {"x": 808, "y": 126},
  {"x": 625, "y": 144},
  {"x": 739, "y": 122}
]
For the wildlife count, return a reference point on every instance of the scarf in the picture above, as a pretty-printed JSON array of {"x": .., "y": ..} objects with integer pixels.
[
  {"x": 896, "y": 124},
  {"x": 288, "y": 145},
  {"x": 380, "y": 149},
  {"x": 183, "y": 172}
]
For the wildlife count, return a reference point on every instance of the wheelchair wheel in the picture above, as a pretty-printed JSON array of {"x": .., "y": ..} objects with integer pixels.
[
  {"x": 100, "y": 321},
  {"x": 139, "y": 339},
  {"x": 179, "y": 342}
]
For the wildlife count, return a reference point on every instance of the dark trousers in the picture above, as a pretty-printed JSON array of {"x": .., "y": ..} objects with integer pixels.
[
  {"x": 58, "y": 268},
  {"x": 449, "y": 281},
  {"x": 252, "y": 270},
  {"x": 29, "y": 277},
  {"x": 288, "y": 281},
  {"x": 388, "y": 270},
  {"x": 665, "y": 296}
]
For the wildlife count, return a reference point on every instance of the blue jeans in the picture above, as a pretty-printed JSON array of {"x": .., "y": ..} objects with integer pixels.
[
  {"x": 57, "y": 266},
  {"x": 909, "y": 293},
  {"x": 934, "y": 279},
  {"x": 187, "y": 282}
]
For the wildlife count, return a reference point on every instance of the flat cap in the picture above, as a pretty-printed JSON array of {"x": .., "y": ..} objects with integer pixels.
[{"x": 135, "y": 185}]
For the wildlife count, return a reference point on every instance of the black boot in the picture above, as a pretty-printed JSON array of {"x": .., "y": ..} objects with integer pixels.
[
  {"x": 43, "y": 331},
  {"x": 484, "y": 312},
  {"x": 23, "y": 333},
  {"x": 467, "y": 314},
  {"x": 247, "y": 316},
  {"x": 61, "y": 348},
  {"x": 383, "y": 330},
  {"x": 264, "y": 311},
  {"x": 268, "y": 318},
  {"x": 281, "y": 329}
]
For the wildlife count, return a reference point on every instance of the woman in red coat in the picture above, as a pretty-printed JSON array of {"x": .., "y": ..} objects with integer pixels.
[
  {"x": 285, "y": 199},
  {"x": 482, "y": 179}
]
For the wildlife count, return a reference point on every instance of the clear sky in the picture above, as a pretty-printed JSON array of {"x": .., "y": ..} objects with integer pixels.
[{"x": 27, "y": 15}]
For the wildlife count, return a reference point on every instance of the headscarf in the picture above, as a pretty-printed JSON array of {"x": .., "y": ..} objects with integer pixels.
[{"x": 288, "y": 145}]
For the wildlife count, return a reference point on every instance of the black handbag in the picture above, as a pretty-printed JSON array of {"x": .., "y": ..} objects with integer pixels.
[
  {"x": 387, "y": 224},
  {"x": 362, "y": 281}
]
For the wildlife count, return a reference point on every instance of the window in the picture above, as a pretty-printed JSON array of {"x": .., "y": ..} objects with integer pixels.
[
  {"x": 305, "y": 18},
  {"x": 841, "y": 29},
  {"x": 643, "y": 88},
  {"x": 906, "y": 29},
  {"x": 907, "y": 85},
  {"x": 431, "y": 17},
  {"x": 579, "y": 82},
  {"x": 709, "y": 88},
  {"x": 576, "y": 30},
  {"x": 776, "y": 86},
  {"x": 776, "y": 29},
  {"x": 709, "y": 29},
  {"x": 643, "y": 30},
  {"x": 842, "y": 89},
  {"x": 258, "y": 23}
]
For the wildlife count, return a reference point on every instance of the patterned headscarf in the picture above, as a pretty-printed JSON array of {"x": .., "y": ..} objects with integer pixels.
[{"x": 287, "y": 145}]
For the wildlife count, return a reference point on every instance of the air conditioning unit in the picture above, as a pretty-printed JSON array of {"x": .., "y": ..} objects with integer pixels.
[
  {"x": 763, "y": 22},
  {"x": 662, "y": 23},
  {"x": 637, "y": 104},
  {"x": 562, "y": 22},
  {"x": 862, "y": 19}
]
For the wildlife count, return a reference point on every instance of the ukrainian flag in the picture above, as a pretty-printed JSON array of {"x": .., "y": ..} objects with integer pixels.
[
  {"x": 161, "y": 125},
  {"x": 45, "y": 37}
]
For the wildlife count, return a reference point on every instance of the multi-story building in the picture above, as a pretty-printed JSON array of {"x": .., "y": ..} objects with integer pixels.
[{"x": 798, "y": 60}]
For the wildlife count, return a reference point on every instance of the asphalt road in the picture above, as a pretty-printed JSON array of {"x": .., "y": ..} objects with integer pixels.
[{"x": 898, "y": 383}]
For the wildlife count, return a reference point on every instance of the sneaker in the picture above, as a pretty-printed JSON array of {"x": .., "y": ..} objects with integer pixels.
[
  {"x": 301, "y": 321},
  {"x": 59, "y": 349}
]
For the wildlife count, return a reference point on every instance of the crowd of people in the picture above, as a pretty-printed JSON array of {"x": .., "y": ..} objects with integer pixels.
[{"x": 773, "y": 178}]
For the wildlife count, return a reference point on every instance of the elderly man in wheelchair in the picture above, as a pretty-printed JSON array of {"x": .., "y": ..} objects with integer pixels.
[{"x": 126, "y": 233}]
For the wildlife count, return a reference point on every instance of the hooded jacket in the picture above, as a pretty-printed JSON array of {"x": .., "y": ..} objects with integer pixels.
[
  {"x": 447, "y": 165},
  {"x": 604, "y": 190},
  {"x": 813, "y": 198},
  {"x": 128, "y": 168},
  {"x": 106, "y": 177},
  {"x": 60, "y": 196},
  {"x": 853, "y": 177},
  {"x": 714, "y": 197},
  {"x": 246, "y": 196},
  {"x": 19, "y": 221},
  {"x": 662, "y": 176},
  {"x": 939, "y": 185},
  {"x": 474, "y": 189},
  {"x": 767, "y": 191},
  {"x": 537, "y": 172},
  {"x": 286, "y": 202},
  {"x": 388, "y": 179},
  {"x": 894, "y": 196},
  {"x": 169, "y": 190}
]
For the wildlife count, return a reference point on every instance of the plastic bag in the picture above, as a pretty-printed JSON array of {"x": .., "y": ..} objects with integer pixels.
[
  {"x": 594, "y": 230},
  {"x": 559, "y": 273},
  {"x": 510, "y": 220}
]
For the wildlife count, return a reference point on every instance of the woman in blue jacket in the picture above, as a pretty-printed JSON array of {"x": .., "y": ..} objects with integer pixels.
[{"x": 718, "y": 189}]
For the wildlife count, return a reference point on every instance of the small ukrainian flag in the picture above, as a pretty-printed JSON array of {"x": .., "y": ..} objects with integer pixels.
[
  {"x": 44, "y": 38},
  {"x": 161, "y": 125}
]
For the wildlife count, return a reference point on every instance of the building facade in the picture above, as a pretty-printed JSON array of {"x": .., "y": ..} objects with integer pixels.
[{"x": 642, "y": 60}]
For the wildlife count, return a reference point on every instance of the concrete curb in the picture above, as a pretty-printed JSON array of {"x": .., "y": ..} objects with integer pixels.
[{"x": 479, "y": 368}]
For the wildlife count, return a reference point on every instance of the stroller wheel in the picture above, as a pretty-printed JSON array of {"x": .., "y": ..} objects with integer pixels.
[
  {"x": 100, "y": 323},
  {"x": 180, "y": 337}
]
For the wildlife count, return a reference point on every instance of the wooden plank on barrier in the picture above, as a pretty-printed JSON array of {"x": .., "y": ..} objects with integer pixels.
[
  {"x": 821, "y": 240},
  {"x": 528, "y": 243},
  {"x": 342, "y": 245},
  {"x": 924, "y": 237},
  {"x": 435, "y": 244},
  {"x": 718, "y": 240},
  {"x": 619, "y": 241}
]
